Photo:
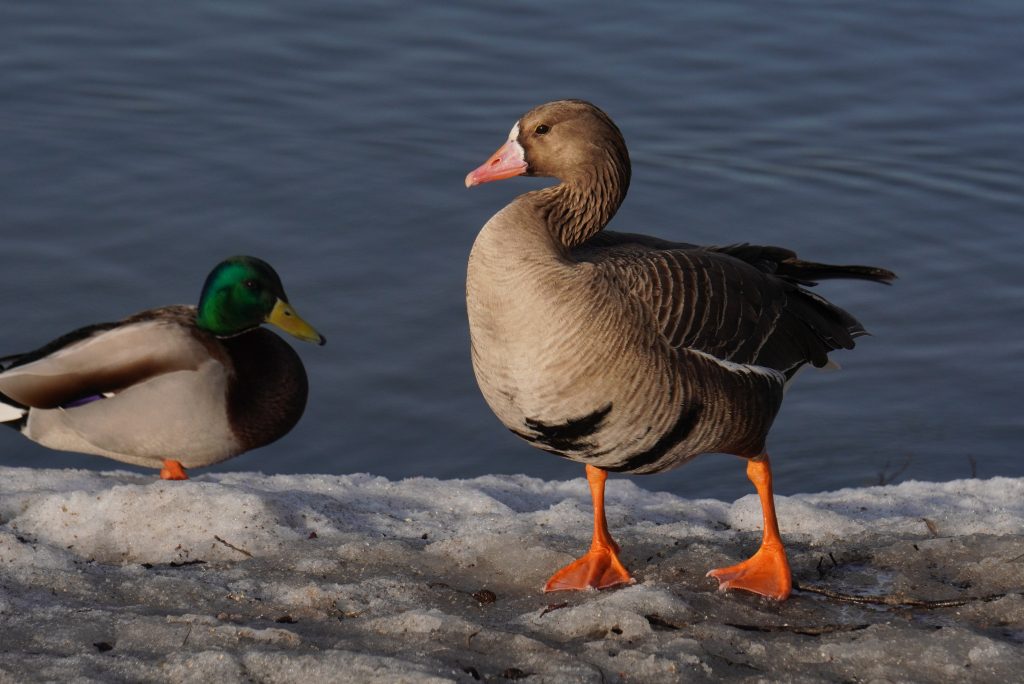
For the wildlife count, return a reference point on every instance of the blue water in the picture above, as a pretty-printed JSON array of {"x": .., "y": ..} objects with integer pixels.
[{"x": 142, "y": 142}]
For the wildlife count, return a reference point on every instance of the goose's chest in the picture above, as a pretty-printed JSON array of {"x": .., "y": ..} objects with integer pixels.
[
  {"x": 522, "y": 326},
  {"x": 550, "y": 354}
]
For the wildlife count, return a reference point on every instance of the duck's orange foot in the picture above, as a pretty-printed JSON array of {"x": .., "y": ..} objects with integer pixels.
[
  {"x": 172, "y": 470},
  {"x": 765, "y": 573},
  {"x": 600, "y": 568}
]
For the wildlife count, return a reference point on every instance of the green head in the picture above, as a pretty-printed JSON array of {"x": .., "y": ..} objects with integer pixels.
[{"x": 244, "y": 292}]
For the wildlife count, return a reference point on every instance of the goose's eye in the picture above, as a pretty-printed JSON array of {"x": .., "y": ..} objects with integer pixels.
[{"x": 542, "y": 129}]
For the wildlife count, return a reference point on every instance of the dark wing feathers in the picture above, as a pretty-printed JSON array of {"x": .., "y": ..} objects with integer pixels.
[
  {"x": 125, "y": 353},
  {"x": 15, "y": 360},
  {"x": 740, "y": 303},
  {"x": 785, "y": 264}
]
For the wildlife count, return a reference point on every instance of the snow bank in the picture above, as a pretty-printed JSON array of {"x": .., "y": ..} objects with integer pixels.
[{"x": 241, "y": 577}]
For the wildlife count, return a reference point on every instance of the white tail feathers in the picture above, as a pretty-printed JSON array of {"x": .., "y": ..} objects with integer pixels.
[
  {"x": 832, "y": 365},
  {"x": 10, "y": 413}
]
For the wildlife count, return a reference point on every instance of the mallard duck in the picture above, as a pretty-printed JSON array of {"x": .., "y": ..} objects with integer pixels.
[
  {"x": 629, "y": 353},
  {"x": 172, "y": 388}
]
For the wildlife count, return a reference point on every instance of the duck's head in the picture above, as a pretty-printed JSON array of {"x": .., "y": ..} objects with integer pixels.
[
  {"x": 244, "y": 292},
  {"x": 566, "y": 139}
]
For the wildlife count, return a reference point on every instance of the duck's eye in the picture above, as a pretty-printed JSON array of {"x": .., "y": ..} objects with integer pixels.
[
  {"x": 542, "y": 129},
  {"x": 251, "y": 284}
]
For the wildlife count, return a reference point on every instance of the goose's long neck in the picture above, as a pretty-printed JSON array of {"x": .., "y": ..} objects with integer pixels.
[{"x": 579, "y": 207}]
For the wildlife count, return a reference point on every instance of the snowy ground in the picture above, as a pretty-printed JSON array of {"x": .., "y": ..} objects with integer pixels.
[{"x": 243, "y": 577}]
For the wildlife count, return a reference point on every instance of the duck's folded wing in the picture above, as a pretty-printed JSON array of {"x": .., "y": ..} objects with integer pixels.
[
  {"x": 180, "y": 415},
  {"x": 101, "y": 359},
  {"x": 716, "y": 301}
]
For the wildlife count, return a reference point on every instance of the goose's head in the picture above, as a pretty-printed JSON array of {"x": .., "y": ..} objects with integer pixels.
[{"x": 566, "y": 139}]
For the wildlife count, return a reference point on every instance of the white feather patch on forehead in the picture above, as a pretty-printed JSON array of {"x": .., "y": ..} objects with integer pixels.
[{"x": 514, "y": 133}]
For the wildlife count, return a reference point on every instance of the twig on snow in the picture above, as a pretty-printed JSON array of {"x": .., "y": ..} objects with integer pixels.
[
  {"x": 232, "y": 546},
  {"x": 890, "y": 600}
]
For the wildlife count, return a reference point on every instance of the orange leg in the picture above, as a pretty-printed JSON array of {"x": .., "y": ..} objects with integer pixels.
[
  {"x": 172, "y": 470},
  {"x": 767, "y": 571},
  {"x": 600, "y": 567}
]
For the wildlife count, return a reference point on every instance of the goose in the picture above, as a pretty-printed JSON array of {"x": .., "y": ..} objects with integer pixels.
[
  {"x": 174, "y": 387},
  {"x": 629, "y": 353}
]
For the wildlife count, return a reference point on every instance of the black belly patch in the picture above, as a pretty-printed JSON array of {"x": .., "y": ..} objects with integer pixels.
[
  {"x": 684, "y": 424},
  {"x": 570, "y": 436}
]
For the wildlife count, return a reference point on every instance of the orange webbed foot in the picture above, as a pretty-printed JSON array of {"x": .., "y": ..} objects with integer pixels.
[
  {"x": 173, "y": 470},
  {"x": 600, "y": 568},
  {"x": 765, "y": 573}
]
